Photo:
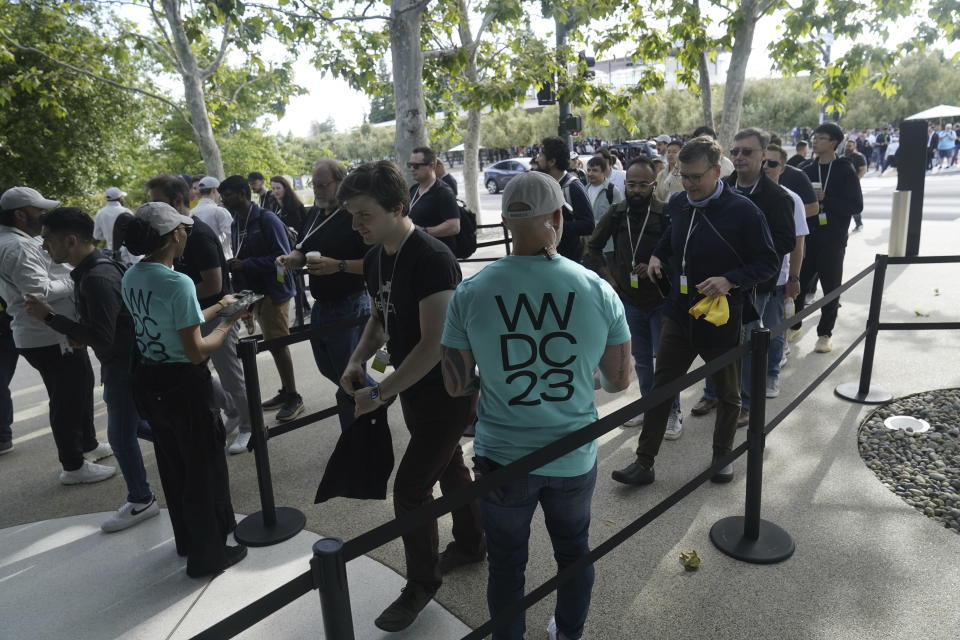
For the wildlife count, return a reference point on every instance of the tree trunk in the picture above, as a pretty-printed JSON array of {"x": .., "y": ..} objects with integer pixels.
[
  {"x": 407, "y": 56},
  {"x": 193, "y": 91},
  {"x": 736, "y": 74},
  {"x": 471, "y": 142},
  {"x": 706, "y": 99}
]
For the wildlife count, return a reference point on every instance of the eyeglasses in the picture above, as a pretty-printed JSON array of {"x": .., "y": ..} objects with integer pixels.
[
  {"x": 693, "y": 177},
  {"x": 417, "y": 165},
  {"x": 746, "y": 152},
  {"x": 324, "y": 185},
  {"x": 639, "y": 185},
  {"x": 821, "y": 139},
  {"x": 772, "y": 164}
]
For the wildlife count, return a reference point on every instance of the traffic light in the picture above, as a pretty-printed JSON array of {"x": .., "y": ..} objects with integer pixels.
[
  {"x": 546, "y": 95},
  {"x": 573, "y": 124},
  {"x": 589, "y": 62}
]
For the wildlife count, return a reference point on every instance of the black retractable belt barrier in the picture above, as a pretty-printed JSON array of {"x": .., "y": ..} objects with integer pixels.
[
  {"x": 330, "y": 578},
  {"x": 747, "y": 537},
  {"x": 271, "y": 524}
]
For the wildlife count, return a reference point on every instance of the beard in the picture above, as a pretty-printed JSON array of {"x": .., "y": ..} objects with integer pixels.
[{"x": 639, "y": 202}]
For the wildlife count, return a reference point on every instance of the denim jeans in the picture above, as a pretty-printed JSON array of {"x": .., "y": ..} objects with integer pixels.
[
  {"x": 124, "y": 424},
  {"x": 644, "y": 339},
  {"x": 8, "y": 365},
  {"x": 506, "y": 523},
  {"x": 770, "y": 307},
  {"x": 331, "y": 352}
]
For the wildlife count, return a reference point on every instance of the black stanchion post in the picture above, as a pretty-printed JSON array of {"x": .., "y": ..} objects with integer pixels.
[
  {"x": 861, "y": 392},
  {"x": 748, "y": 537},
  {"x": 330, "y": 578},
  {"x": 298, "y": 297},
  {"x": 271, "y": 524}
]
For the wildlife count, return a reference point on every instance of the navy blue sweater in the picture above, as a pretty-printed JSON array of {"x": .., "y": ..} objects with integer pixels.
[{"x": 258, "y": 243}]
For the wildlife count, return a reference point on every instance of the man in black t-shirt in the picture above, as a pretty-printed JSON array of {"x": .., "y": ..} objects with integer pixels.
[
  {"x": 204, "y": 262},
  {"x": 800, "y": 156},
  {"x": 433, "y": 207},
  {"x": 411, "y": 277},
  {"x": 333, "y": 254},
  {"x": 859, "y": 162},
  {"x": 447, "y": 179}
]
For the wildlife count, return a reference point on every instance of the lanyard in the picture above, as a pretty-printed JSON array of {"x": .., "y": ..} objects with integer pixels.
[
  {"x": 823, "y": 183},
  {"x": 755, "y": 184},
  {"x": 683, "y": 260},
  {"x": 242, "y": 237},
  {"x": 385, "y": 302},
  {"x": 417, "y": 195},
  {"x": 636, "y": 247},
  {"x": 316, "y": 227}
]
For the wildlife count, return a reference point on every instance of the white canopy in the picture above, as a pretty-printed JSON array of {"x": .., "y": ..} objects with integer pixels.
[
  {"x": 940, "y": 111},
  {"x": 459, "y": 147}
]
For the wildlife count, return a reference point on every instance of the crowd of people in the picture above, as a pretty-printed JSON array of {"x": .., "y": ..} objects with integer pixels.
[{"x": 630, "y": 263}]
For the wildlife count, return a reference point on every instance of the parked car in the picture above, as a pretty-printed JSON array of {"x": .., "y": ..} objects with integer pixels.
[{"x": 497, "y": 175}]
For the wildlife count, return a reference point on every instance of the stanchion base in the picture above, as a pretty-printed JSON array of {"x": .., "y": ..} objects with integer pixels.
[
  {"x": 774, "y": 544},
  {"x": 851, "y": 391},
  {"x": 252, "y": 532}
]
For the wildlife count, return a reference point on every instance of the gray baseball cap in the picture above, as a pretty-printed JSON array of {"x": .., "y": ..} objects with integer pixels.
[
  {"x": 532, "y": 194},
  {"x": 162, "y": 217},
  {"x": 18, "y": 197}
]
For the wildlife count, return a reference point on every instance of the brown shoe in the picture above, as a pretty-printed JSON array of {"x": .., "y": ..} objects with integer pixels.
[
  {"x": 744, "y": 418},
  {"x": 404, "y": 610},
  {"x": 453, "y": 557},
  {"x": 704, "y": 406}
]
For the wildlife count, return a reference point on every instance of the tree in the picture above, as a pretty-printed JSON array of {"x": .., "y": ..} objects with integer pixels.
[{"x": 382, "y": 104}]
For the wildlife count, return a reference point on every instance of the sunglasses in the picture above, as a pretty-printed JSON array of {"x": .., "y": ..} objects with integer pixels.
[
  {"x": 746, "y": 152},
  {"x": 773, "y": 164},
  {"x": 417, "y": 165}
]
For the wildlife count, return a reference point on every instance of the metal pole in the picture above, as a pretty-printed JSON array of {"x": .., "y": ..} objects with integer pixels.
[
  {"x": 899, "y": 218},
  {"x": 862, "y": 392},
  {"x": 330, "y": 578},
  {"x": 564, "y": 106},
  {"x": 760, "y": 341},
  {"x": 270, "y": 525}
]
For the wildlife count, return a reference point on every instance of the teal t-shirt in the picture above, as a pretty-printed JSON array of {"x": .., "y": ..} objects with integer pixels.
[
  {"x": 161, "y": 302},
  {"x": 537, "y": 329}
]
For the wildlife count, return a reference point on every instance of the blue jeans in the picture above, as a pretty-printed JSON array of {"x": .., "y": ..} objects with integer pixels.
[
  {"x": 770, "y": 307},
  {"x": 332, "y": 352},
  {"x": 644, "y": 339},
  {"x": 8, "y": 365},
  {"x": 506, "y": 523},
  {"x": 123, "y": 426}
]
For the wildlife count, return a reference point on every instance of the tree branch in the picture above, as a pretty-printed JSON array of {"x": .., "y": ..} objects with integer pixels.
[
  {"x": 316, "y": 15},
  {"x": 212, "y": 67},
  {"x": 166, "y": 36},
  {"x": 98, "y": 77},
  {"x": 484, "y": 25},
  {"x": 156, "y": 46}
]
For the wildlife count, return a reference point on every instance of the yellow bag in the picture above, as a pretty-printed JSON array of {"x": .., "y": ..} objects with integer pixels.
[{"x": 713, "y": 309}]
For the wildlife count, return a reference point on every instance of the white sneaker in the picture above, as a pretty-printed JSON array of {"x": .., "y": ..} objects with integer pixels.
[
  {"x": 240, "y": 443},
  {"x": 792, "y": 335},
  {"x": 786, "y": 355},
  {"x": 635, "y": 421},
  {"x": 130, "y": 514},
  {"x": 102, "y": 451},
  {"x": 87, "y": 474},
  {"x": 552, "y": 632},
  {"x": 230, "y": 425},
  {"x": 674, "y": 426},
  {"x": 773, "y": 387},
  {"x": 823, "y": 345}
]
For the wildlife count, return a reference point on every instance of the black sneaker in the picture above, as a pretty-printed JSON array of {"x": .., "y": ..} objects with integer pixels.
[
  {"x": 405, "y": 609},
  {"x": 234, "y": 554},
  {"x": 276, "y": 401},
  {"x": 636, "y": 473},
  {"x": 453, "y": 557},
  {"x": 292, "y": 407},
  {"x": 723, "y": 475}
]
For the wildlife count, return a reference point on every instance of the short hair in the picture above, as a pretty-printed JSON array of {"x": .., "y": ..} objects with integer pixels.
[
  {"x": 751, "y": 132},
  {"x": 642, "y": 160},
  {"x": 556, "y": 149},
  {"x": 831, "y": 129},
  {"x": 429, "y": 155},
  {"x": 67, "y": 220},
  {"x": 802, "y": 143},
  {"x": 777, "y": 148},
  {"x": 704, "y": 131},
  {"x": 255, "y": 175},
  {"x": 337, "y": 171},
  {"x": 236, "y": 184},
  {"x": 381, "y": 180},
  {"x": 774, "y": 139},
  {"x": 701, "y": 147},
  {"x": 598, "y": 162},
  {"x": 675, "y": 143},
  {"x": 197, "y": 178},
  {"x": 170, "y": 186},
  {"x": 606, "y": 154}
]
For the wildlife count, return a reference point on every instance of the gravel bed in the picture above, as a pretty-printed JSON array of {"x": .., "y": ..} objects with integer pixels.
[{"x": 923, "y": 468}]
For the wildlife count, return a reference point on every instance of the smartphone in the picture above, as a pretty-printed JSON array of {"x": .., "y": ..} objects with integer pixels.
[{"x": 246, "y": 298}]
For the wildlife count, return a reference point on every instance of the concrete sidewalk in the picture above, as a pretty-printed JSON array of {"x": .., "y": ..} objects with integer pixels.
[{"x": 867, "y": 565}]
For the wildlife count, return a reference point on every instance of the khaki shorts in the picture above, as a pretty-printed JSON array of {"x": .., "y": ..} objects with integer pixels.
[{"x": 274, "y": 318}]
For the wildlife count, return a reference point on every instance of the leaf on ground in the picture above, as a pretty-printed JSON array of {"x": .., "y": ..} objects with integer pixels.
[{"x": 920, "y": 314}]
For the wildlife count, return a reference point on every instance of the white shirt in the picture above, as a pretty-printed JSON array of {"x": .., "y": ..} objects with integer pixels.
[
  {"x": 619, "y": 179},
  {"x": 103, "y": 224},
  {"x": 800, "y": 222},
  {"x": 218, "y": 219},
  {"x": 26, "y": 268}
]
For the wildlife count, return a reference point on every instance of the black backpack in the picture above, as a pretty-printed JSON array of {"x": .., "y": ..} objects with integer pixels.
[{"x": 465, "y": 242}]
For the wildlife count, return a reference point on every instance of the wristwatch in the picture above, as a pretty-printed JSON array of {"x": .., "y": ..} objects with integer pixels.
[
  {"x": 47, "y": 319},
  {"x": 342, "y": 266},
  {"x": 793, "y": 278}
]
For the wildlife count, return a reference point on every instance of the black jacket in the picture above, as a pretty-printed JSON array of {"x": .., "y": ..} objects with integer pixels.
[
  {"x": 103, "y": 321},
  {"x": 842, "y": 197},
  {"x": 578, "y": 223},
  {"x": 777, "y": 207}
]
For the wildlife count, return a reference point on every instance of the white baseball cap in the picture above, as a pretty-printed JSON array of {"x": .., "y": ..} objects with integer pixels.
[
  {"x": 162, "y": 217},
  {"x": 532, "y": 194},
  {"x": 17, "y": 197},
  {"x": 662, "y": 138},
  {"x": 113, "y": 193},
  {"x": 208, "y": 182}
]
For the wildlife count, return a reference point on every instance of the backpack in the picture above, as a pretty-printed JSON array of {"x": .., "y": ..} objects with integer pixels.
[
  {"x": 465, "y": 242},
  {"x": 609, "y": 192},
  {"x": 292, "y": 234}
]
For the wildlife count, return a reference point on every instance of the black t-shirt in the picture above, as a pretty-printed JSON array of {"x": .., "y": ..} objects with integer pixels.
[
  {"x": 422, "y": 267},
  {"x": 451, "y": 182},
  {"x": 334, "y": 237},
  {"x": 796, "y": 160},
  {"x": 434, "y": 207},
  {"x": 857, "y": 159},
  {"x": 798, "y": 182},
  {"x": 203, "y": 253}
]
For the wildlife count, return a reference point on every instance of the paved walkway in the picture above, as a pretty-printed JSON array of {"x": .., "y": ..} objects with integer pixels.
[{"x": 867, "y": 565}]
